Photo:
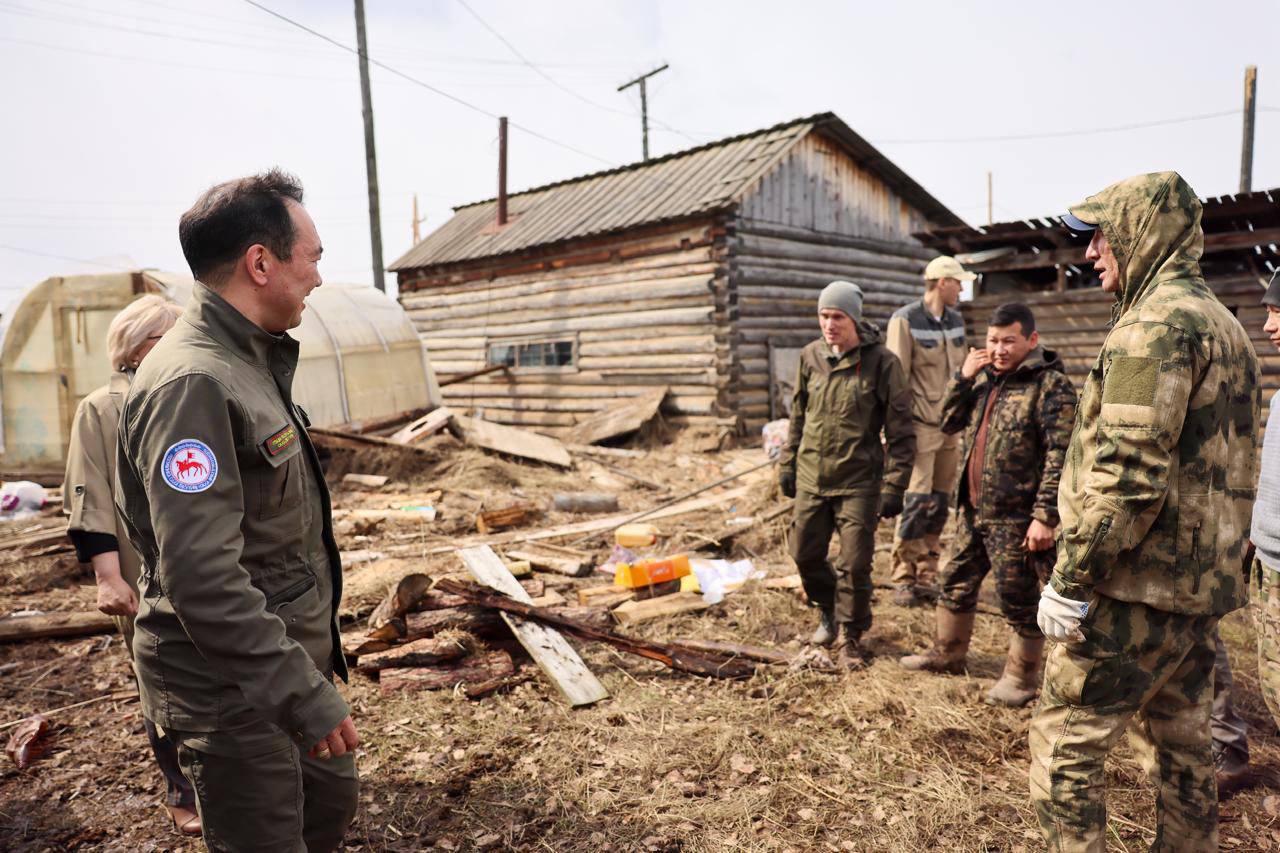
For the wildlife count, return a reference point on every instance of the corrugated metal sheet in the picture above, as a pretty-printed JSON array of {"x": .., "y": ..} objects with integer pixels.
[{"x": 688, "y": 183}]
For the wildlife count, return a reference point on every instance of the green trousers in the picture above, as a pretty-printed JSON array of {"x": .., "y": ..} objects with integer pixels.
[
  {"x": 1138, "y": 668},
  {"x": 845, "y": 584},
  {"x": 256, "y": 791}
]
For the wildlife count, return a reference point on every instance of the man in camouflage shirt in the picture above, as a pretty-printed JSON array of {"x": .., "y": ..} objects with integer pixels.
[
  {"x": 1155, "y": 502},
  {"x": 1015, "y": 404}
]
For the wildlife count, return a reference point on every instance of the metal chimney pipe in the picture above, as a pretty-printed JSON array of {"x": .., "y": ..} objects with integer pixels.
[{"x": 502, "y": 171}]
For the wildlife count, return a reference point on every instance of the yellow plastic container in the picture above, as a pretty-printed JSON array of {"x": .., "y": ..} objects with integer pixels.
[
  {"x": 636, "y": 535},
  {"x": 648, "y": 572}
]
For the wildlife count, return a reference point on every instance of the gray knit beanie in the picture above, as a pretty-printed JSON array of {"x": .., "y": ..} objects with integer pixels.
[{"x": 843, "y": 296}]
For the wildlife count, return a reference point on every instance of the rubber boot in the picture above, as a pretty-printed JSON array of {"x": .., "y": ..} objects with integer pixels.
[
  {"x": 950, "y": 647},
  {"x": 852, "y": 655},
  {"x": 825, "y": 633},
  {"x": 1017, "y": 686}
]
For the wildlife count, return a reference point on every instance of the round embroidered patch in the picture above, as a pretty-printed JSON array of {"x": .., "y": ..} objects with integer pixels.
[{"x": 190, "y": 466}]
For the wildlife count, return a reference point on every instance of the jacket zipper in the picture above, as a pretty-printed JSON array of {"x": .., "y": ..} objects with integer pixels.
[
  {"x": 1195, "y": 558},
  {"x": 1103, "y": 527}
]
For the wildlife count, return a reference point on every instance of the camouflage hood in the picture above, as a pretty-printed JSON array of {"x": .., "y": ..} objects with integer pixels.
[
  {"x": 1153, "y": 225},
  {"x": 1040, "y": 359}
]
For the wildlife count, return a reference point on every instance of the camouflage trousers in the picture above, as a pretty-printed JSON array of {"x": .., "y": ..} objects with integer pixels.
[
  {"x": 845, "y": 583},
  {"x": 980, "y": 547},
  {"x": 1140, "y": 668},
  {"x": 916, "y": 543},
  {"x": 1265, "y": 589}
]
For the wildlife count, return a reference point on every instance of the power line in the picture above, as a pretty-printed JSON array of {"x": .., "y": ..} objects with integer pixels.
[
  {"x": 23, "y": 251},
  {"x": 554, "y": 82},
  {"x": 1059, "y": 134},
  {"x": 441, "y": 92}
]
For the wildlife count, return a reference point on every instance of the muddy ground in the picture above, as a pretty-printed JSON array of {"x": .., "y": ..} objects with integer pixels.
[{"x": 800, "y": 760}]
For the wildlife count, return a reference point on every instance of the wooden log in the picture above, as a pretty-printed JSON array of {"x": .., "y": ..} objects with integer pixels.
[
  {"x": 571, "y": 566},
  {"x": 507, "y": 517},
  {"x": 514, "y": 442},
  {"x": 633, "y": 612},
  {"x": 476, "y": 669},
  {"x": 474, "y": 620},
  {"x": 35, "y": 538},
  {"x": 546, "y": 646},
  {"x": 400, "y": 599},
  {"x": 606, "y": 595},
  {"x": 428, "y": 651},
  {"x": 585, "y": 501},
  {"x": 17, "y": 629},
  {"x": 620, "y": 420},
  {"x": 436, "y": 600},
  {"x": 676, "y": 657},
  {"x": 617, "y": 452},
  {"x": 369, "y": 425}
]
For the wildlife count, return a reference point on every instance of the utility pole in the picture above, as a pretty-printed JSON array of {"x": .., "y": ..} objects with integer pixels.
[
  {"x": 1250, "y": 110},
  {"x": 644, "y": 104},
  {"x": 417, "y": 220},
  {"x": 370, "y": 156},
  {"x": 502, "y": 170},
  {"x": 990, "y": 200}
]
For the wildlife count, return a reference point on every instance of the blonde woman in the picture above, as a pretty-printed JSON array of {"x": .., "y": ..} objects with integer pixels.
[{"x": 97, "y": 531}]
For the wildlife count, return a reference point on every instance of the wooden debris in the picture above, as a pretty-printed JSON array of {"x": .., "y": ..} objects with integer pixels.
[
  {"x": 481, "y": 689},
  {"x": 380, "y": 515},
  {"x": 621, "y": 419},
  {"x": 368, "y": 481},
  {"x": 574, "y": 567},
  {"x": 369, "y": 425},
  {"x": 655, "y": 608},
  {"x": 512, "y": 441},
  {"x": 546, "y": 646},
  {"x": 436, "y": 600},
  {"x": 674, "y": 656},
  {"x": 615, "y": 452},
  {"x": 40, "y": 538},
  {"x": 550, "y": 598},
  {"x": 427, "y": 425},
  {"x": 428, "y": 651},
  {"x": 474, "y": 620},
  {"x": 356, "y": 558},
  {"x": 519, "y": 568},
  {"x": 476, "y": 669},
  {"x": 516, "y": 515},
  {"x": 400, "y": 599},
  {"x": 758, "y": 653},
  {"x": 605, "y": 595},
  {"x": 784, "y": 582},
  {"x": 15, "y": 629},
  {"x": 29, "y": 741},
  {"x": 335, "y": 438}
]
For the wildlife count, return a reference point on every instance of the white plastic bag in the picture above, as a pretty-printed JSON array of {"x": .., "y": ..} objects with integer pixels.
[{"x": 21, "y": 499}]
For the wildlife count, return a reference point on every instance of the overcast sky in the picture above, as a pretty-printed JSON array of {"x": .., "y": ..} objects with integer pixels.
[{"x": 118, "y": 113}]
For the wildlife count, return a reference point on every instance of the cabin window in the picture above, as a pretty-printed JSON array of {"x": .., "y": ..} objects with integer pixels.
[{"x": 545, "y": 355}]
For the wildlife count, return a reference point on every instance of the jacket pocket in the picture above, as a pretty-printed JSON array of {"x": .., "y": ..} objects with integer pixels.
[
  {"x": 279, "y": 481},
  {"x": 291, "y": 593},
  {"x": 1197, "y": 536}
]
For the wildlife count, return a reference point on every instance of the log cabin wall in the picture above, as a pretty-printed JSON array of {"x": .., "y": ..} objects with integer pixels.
[
  {"x": 816, "y": 217},
  {"x": 642, "y": 310}
]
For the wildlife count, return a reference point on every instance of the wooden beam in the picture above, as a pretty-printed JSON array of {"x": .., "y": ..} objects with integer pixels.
[
  {"x": 16, "y": 629},
  {"x": 513, "y": 442},
  {"x": 546, "y": 646},
  {"x": 632, "y": 612}
]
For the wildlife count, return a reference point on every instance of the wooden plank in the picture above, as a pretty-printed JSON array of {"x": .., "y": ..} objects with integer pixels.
[
  {"x": 547, "y": 646},
  {"x": 514, "y": 442},
  {"x": 428, "y": 651},
  {"x": 571, "y": 566},
  {"x": 368, "y": 481},
  {"x": 655, "y": 608},
  {"x": 429, "y": 424},
  {"x": 476, "y": 669},
  {"x": 606, "y": 595},
  {"x": 621, "y": 419}
]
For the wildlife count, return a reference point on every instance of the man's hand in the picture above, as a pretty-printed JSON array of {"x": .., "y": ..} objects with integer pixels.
[
  {"x": 338, "y": 742},
  {"x": 787, "y": 482},
  {"x": 1059, "y": 617},
  {"x": 890, "y": 504},
  {"x": 974, "y": 362},
  {"x": 116, "y": 597},
  {"x": 1039, "y": 536}
]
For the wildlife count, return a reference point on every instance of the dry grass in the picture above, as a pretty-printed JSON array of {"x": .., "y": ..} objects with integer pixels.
[{"x": 882, "y": 760}]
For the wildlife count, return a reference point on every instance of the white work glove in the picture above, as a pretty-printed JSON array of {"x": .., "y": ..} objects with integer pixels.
[{"x": 1059, "y": 617}]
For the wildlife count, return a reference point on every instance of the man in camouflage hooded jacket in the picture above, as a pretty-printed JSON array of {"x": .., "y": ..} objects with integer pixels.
[{"x": 1155, "y": 504}]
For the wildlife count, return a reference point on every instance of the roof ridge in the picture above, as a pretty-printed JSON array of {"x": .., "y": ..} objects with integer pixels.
[{"x": 815, "y": 119}]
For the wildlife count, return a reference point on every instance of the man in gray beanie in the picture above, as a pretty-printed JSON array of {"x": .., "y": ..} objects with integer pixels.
[{"x": 850, "y": 389}]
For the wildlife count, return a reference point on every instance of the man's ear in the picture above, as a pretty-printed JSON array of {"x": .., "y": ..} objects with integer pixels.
[
  {"x": 1034, "y": 340},
  {"x": 257, "y": 261}
]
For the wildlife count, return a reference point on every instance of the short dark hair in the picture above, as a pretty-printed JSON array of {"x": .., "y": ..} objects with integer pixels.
[
  {"x": 1014, "y": 312},
  {"x": 234, "y": 215}
]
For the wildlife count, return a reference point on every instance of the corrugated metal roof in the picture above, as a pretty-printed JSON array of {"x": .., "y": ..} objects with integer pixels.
[{"x": 697, "y": 181}]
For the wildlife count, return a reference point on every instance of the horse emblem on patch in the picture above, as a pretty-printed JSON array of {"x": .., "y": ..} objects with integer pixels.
[{"x": 190, "y": 466}]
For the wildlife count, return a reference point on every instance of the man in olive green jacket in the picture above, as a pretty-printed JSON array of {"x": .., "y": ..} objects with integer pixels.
[
  {"x": 1155, "y": 503},
  {"x": 849, "y": 390},
  {"x": 236, "y": 640}
]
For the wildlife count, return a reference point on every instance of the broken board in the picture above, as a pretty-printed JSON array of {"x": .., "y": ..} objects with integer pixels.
[
  {"x": 429, "y": 424},
  {"x": 655, "y": 608},
  {"x": 548, "y": 647},
  {"x": 619, "y": 420},
  {"x": 513, "y": 442}
]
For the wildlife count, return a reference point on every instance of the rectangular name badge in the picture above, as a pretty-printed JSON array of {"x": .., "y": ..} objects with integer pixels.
[{"x": 281, "y": 441}]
